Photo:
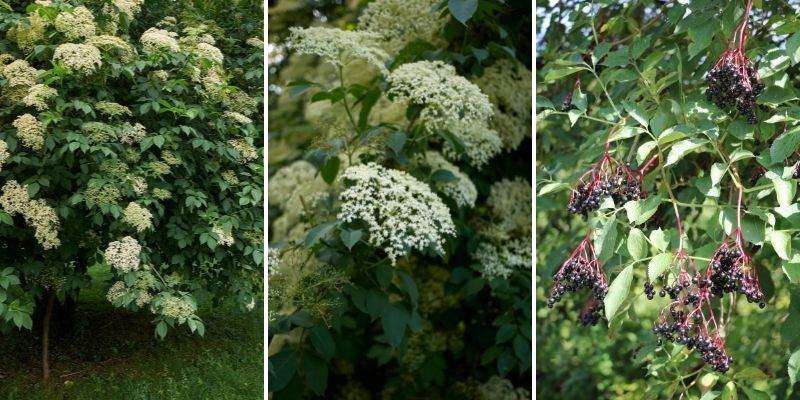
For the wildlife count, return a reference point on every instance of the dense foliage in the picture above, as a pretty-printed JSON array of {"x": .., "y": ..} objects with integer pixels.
[
  {"x": 130, "y": 137},
  {"x": 399, "y": 199},
  {"x": 667, "y": 170}
]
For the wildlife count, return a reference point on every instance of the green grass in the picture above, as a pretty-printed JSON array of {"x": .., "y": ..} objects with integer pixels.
[{"x": 113, "y": 354}]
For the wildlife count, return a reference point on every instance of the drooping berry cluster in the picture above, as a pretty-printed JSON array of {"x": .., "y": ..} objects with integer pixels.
[
  {"x": 607, "y": 177},
  {"x": 684, "y": 322},
  {"x": 581, "y": 271},
  {"x": 733, "y": 82},
  {"x": 730, "y": 271},
  {"x": 566, "y": 105}
]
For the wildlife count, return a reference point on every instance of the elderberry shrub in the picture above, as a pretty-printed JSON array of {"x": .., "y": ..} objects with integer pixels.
[
  {"x": 733, "y": 82},
  {"x": 730, "y": 272}
]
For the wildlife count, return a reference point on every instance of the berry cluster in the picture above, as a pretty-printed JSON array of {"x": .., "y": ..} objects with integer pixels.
[
  {"x": 567, "y": 103},
  {"x": 681, "y": 283},
  {"x": 730, "y": 271},
  {"x": 581, "y": 271},
  {"x": 685, "y": 323},
  {"x": 606, "y": 178},
  {"x": 733, "y": 82}
]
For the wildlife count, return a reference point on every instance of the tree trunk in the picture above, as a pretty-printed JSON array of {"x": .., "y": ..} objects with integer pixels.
[{"x": 51, "y": 296}]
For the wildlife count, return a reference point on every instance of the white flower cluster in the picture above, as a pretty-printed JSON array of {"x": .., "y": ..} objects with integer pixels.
[
  {"x": 229, "y": 176},
  {"x": 116, "y": 291},
  {"x": 273, "y": 261},
  {"x": 129, "y": 7},
  {"x": 498, "y": 388},
  {"x": 77, "y": 24},
  {"x": 285, "y": 180},
  {"x": 461, "y": 189},
  {"x": 501, "y": 260},
  {"x": 30, "y": 33},
  {"x": 154, "y": 40},
  {"x": 255, "y": 42},
  {"x": 137, "y": 217},
  {"x": 209, "y": 52},
  {"x": 480, "y": 143},
  {"x": 29, "y": 131},
  {"x": 124, "y": 254},
  {"x": 38, "y": 95},
  {"x": 112, "y": 109},
  {"x": 444, "y": 96},
  {"x": 20, "y": 73},
  {"x": 81, "y": 58},
  {"x": 508, "y": 85},
  {"x": 401, "y": 213},
  {"x": 139, "y": 185},
  {"x": 130, "y": 134},
  {"x": 247, "y": 152},
  {"x": 237, "y": 117},
  {"x": 223, "y": 238},
  {"x": 4, "y": 154},
  {"x": 400, "y": 22},
  {"x": 338, "y": 47},
  {"x": 178, "y": 308},
  {"x": 37, "y": 213},
  {"x": 99, "y": 132},
  {"x": 449, "y": 103},
  {"x": 510, "y": 201}
]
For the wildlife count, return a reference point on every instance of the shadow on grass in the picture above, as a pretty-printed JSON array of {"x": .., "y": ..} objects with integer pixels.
[{"x": 113, "y": 354}]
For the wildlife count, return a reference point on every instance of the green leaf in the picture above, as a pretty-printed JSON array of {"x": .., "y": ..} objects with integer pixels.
[
  {"x": 396, "y": 141},
  {"x": 350, "y": 237},
  {"x": 659, "y": 239},
  {"x": 462, "y": 10},
  {"x": 555, "y": 74},
  {"x": 710, "y": 395},
  {"x": 729, "y": 391},
  {"x": 323, "y": 341},
  {"x": 318, "y": 232},
  {"x": 606, "y": 239},
  {"x": 782, "y": 243},
  {"x": 505, "y": 362},
  {"x": 750, "y": 373},
  {"x": 316, "y": 372},
  {"x": 443, "y": 175},
  {"x": 637, "y": 244},
  {"x": 639, "y": 211},
  {"x": 754, "y": 394},
  {"x": 409, "y": 287},
  {"x": 394, "y": 324},
  {"x": 785, "y": 145},
  {"x": 505, "y": 333},
  {"x": 618, "y": 291},
  {"x": 784, "y": 191},
  {"x": 658, "y": 264},
  {"x": 679, "y": 150},
  {"x": 552, "y": 187},
  {"x": 637, "y": 113},
  {"x": 161, "y": 329},
  {"x": 330, "y": 169},
  {"x": 794, "y": 367},
  {"x": 282, "y": 368},
  {"x": 793, "y": 48}
]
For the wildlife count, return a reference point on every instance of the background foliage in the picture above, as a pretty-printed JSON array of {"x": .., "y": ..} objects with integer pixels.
[
  {"x": 344, "y": 322},
  {"x": 648, "y": 59}
]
